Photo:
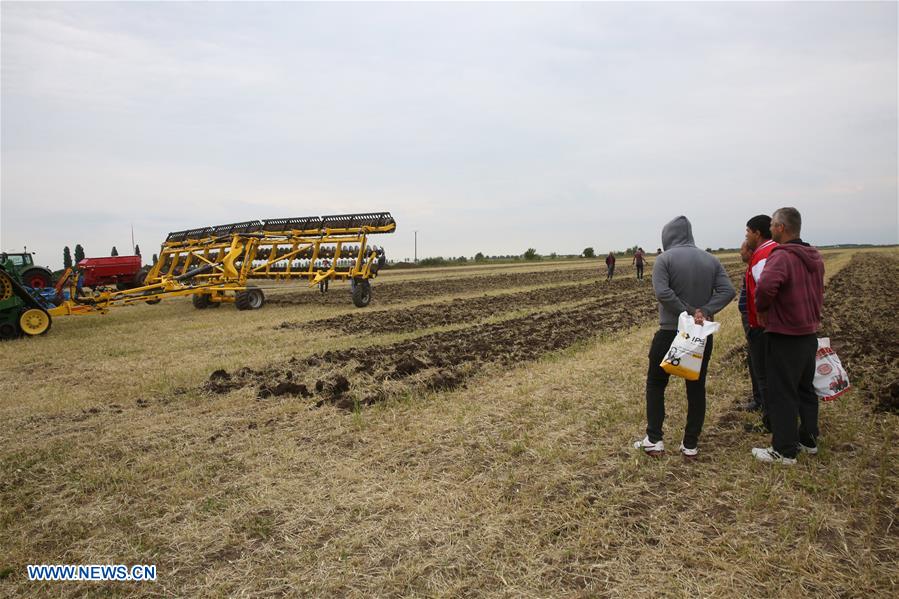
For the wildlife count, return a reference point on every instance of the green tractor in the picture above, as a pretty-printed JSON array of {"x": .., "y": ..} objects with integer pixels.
[
  {"x": 30, "y": 274},
  {"x": 20, "y": 312}
]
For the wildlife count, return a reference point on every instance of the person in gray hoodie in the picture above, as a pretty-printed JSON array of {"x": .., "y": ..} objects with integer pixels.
[{"x": 684, "y": 279}]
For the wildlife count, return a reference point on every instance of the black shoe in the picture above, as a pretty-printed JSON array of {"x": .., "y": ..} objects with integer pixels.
[{"x": 752, "y": 406}]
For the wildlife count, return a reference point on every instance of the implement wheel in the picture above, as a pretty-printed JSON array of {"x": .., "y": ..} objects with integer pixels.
[
  {"x": 361, "y": 293},
  {"x": 200, "y": 300},
  {"x": 251, "y": 299},
  {"x": 34, "y": 321}
]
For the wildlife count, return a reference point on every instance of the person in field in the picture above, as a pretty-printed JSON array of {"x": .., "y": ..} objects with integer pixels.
[
  {"x": 323, "y": 284},
  {"x": 684, "y": 279},
  {"x": 755, "y": 403},
  {"x": 789, "y": 300},
  {"x": 610, "y": 266},
  {"x": 639, "y": 260},
  {"x": 758, "y": 238}
]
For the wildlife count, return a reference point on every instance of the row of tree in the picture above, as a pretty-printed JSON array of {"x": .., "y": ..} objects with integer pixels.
[{"x": 68, "y": 260}]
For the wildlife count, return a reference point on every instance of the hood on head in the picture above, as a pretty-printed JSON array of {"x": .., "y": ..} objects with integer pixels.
[{"x": 677, "y": 232}]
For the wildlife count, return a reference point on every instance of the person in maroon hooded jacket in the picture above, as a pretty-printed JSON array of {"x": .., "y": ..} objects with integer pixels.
[{"x": 789, "y": 299}]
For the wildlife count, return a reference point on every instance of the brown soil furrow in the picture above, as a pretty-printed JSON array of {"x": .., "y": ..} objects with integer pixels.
[
  {"x": 860, "y": 308},
  {"x": 468, "y": 310},
  {"x": 437, "y": 361},
  {"x": 403, "y": 291}
]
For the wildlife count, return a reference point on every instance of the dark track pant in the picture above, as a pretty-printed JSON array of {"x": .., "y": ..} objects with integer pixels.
[
  {"x": 756, "y": 394},
  {"x": 639, "y": 271},
  {"x": 790, "y": 365},
  {"x": 611, "y": 271},
  {"x": 657, "y": 380},
  {"x": 757, "y": 344}
]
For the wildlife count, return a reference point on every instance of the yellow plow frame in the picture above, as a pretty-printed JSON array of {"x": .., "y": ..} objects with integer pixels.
[{"x": 215, "y": 264}]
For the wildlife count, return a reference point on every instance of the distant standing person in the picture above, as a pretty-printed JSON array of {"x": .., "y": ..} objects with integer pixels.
[
  {"x": 323, "y": 284},
  {"x": 789, "y": 299},
  {"x": 685, "y": 278},
  {"x": 610, "y": 266},
  {"x": 639, "y": 260},
  {"x": 755, "y": 403}
]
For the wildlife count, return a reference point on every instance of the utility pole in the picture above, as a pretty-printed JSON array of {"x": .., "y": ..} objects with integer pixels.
[
  {"x": 132, "y": 239},
  {"x": 416, "y": 247}
]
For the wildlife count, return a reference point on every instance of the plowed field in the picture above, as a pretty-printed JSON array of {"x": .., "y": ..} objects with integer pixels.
[
  {"x": 861, "y": 316},
  {"x": 439, "y": 360}
]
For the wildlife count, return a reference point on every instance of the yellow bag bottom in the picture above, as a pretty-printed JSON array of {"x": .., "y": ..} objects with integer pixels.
[{"x": 685, "y": 373}]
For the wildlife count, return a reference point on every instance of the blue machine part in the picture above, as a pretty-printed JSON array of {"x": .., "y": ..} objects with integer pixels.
[{"x": 45, "y": 296}]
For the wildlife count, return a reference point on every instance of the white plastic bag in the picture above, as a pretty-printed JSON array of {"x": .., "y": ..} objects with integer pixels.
[
  {"x": 831, "y": 379},
  {"x": 684, "y": 357}
]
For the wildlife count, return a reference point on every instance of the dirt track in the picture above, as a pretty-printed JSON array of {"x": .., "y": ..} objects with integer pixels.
[
  {"x": 436, "y": 361},
  {"x": 474, "y": 309},
  {"x": 404, "y": 291}
]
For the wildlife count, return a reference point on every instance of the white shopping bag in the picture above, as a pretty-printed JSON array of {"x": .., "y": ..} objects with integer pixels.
[
  {"x": 684, "y": 357},
  {"x": 831, "y": 379}
]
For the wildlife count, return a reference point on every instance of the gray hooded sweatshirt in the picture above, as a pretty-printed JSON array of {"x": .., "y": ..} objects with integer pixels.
[{"x": 685, "y": 277}]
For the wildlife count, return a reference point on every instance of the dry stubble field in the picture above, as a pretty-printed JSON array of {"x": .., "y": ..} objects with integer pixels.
[{"x": 467, "y": 434}]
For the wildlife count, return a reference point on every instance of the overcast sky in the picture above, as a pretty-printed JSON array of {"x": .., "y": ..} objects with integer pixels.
[{"x": 486, "y": 127}]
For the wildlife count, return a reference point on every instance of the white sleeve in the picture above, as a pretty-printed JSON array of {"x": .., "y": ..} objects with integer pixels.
[{"x": 757, "y": 269}]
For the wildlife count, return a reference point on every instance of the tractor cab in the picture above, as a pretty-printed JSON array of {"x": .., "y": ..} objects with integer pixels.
[{"x": 20, "y": 260}]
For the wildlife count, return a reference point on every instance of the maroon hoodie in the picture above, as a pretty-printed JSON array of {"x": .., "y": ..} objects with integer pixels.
[{"x": 791, "y": 289}]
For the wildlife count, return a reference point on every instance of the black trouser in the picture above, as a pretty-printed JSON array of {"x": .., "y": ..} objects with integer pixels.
[
  {"x": 757, "y": 343},
  {"x": 657, "y": 380},
  {"x": 790, "y": 365},
  {"x": 640, "y": 270},
  {"x": 323, "y": 285},
  {"x": 611, "y": 269},
  {"x": 756, "y": 395}
]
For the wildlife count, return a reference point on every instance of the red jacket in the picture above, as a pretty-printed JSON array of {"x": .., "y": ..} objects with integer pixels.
[
  {"x": 791, "y": 289},
  {"x": 753, "y": 274}
]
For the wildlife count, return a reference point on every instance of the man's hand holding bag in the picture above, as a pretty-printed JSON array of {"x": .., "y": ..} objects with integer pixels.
[{"x": 684, "y": 357}]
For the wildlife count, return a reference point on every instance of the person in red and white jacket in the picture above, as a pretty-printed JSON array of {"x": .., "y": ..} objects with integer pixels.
[
  {"x": 789, "y": 299},
  {"x": 758, "y": 238}
]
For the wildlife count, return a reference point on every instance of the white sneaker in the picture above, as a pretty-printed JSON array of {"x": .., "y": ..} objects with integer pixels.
[
  {"x": 769, "y": 456},
  {"x": 649, "y": 447},
  {"x": 807, "y": 449},
  {"x": 689, "y": 453}
]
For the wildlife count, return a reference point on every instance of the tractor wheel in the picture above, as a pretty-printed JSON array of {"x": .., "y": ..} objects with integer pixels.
[
  {"x": 8, "y": 330},
  {"x": 251, "y": 299},
  {"x": 200, "y": 300},
  {"x": 361, "y": 293},
  {"x": 5, "y": 286},
  {"x": 34, "y": 321},
  {"x": 37, "y": 278}
]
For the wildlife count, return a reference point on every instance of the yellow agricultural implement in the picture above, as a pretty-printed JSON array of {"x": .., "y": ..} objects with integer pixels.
[{"x": 216, "y": 264}]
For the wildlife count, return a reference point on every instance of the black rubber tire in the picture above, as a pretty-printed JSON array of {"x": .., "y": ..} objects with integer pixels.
[
  {"x": 200, "y": 301},
  {"x": 9, "y": 331},
  {"x": 37, "y": 277},
  {"x": 251, "y": 299},
  {"x": 361, "y": 293},
  {"x": 140, "y": 277}
]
